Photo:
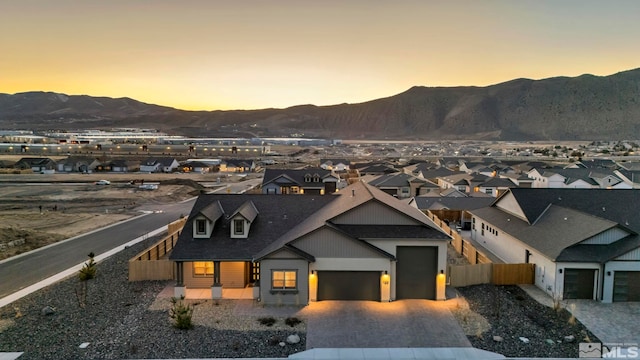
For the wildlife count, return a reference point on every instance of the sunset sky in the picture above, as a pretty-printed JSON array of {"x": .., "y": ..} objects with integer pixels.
[{"x": 249, "y": 54}]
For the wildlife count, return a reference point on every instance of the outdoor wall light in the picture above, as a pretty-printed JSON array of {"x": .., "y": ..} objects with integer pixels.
[
  {"x": 385, "y": 272},
  {"x": 608, "y": 273},
  {"x": 441, "y": 271},
  {"x": 313, "y": 272},
  {"x": 560, "y": 271}
]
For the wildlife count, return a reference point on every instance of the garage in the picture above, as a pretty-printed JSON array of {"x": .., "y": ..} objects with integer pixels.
[
  {"x": 349, "y": 285},
  {"x": 416, "y": 272},
  {"x": 626, "y": 286},
  {"x": 312, "y": 191},
  {"x": 578, "y": 283}
]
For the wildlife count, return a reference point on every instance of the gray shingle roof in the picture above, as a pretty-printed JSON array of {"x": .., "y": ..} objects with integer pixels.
[
  {"x": 452, "y": 203},
  {"x": 213, "y": 211},
  {"x": 296, "y": 177},
  {"x": 247, "y": 210},
  {"x": 267, "y": 227}
]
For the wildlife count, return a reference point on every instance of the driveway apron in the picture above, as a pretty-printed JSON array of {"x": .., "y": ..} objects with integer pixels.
[{"x": 369, "y": 324}]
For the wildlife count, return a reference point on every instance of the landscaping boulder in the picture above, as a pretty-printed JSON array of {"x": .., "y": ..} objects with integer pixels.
[
  {"x": 48, "y": 310},
  {"x": 293, "y": 339}
]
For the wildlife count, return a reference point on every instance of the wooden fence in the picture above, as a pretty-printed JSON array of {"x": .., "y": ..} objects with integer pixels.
[
  {"x": 462, "y": 246},
  {"x": 497, "y": 274},
  {"x": 152, "y": 263}
]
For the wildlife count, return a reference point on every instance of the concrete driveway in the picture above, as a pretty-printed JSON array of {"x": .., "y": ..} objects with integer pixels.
[{"x": 369, "y": 324}]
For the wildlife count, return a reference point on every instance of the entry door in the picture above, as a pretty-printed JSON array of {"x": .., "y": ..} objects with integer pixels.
[
  {"x": 416, "y": 272},
  {"x": 578, "y": 283}
]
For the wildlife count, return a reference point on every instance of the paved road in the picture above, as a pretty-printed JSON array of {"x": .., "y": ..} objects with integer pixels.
[{"x": 22, "y": 271}]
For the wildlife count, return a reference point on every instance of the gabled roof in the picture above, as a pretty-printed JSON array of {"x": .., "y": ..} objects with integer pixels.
[
  {"x": 278, "y": 215},
  {"x": 349, "y": 198},
  {"x": 394, "y": 180},
  {"x": 613, "y": 205},
  {"x": 212, "y": 211},
  {"x": 334, "y": 161},
  {"x": 162, "y": 161},
  {"x": 295, "y": 176},
  {"x": 35, "y": 161},
  {"x": 247, "y": 210},
  {"x": 498, "y": 182},
  {"x": 554, "y": 231}
]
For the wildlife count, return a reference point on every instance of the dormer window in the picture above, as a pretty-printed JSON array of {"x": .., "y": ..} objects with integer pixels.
[
  {"x": 307, "y": 178},
  {"x": 316, "y": 178},
  {"x": 201, "y": 227},
  {"x": 238, "y": 227}
]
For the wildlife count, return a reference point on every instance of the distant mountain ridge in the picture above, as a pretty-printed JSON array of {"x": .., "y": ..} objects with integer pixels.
[{"x": 586, "y": 107}]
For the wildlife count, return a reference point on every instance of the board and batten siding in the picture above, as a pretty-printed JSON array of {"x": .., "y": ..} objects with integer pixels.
[
  {"x": 329, "y": 243},
  {"x": 232, "y": 274},
  {"x": 606, "y": 237},
  {"x": 633, "y": 255},
  {"x": 298, "y": 297},
  {"x": 374, "y": 212},
  {"x": 284, "y": 254}
]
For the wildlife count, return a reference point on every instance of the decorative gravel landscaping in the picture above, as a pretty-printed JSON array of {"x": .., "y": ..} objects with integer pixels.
[
  {"x": 506, "y": 320},
  {"x": 120, "y": 319}
]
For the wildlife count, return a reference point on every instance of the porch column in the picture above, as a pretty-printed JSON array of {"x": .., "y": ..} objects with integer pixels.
[
  {"x": 179, "y": 291},
  {"x": 216, "y": 289}
]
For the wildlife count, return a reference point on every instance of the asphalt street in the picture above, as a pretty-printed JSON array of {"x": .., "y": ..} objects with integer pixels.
[{"x": 27, "y": 269}]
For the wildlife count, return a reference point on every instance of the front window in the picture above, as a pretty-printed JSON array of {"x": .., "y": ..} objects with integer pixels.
[
  {"x": 203, "y": 268},
  {"x": 201, "y": 226},
  {"x": 238, "y": 227},
  {"x": 284, "y": 279}
]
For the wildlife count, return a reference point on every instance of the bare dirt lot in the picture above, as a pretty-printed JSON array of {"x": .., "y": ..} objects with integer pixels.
[{"x": 36, "y": 210}]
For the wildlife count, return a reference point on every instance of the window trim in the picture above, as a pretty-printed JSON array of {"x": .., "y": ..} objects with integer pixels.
[
  {"x": 205, "y": 275},
  {"x": 235, "y": 226},
  {"x": 202, "y": 222},
  {"x": 284, "y": 287}
]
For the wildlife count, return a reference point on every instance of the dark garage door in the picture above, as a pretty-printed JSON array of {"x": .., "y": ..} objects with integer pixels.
[
  {"x": 416, "y": 272},
  {"x": 349, "y": 285},
  {"x": 626, "y": 286},
  {"x": 312, "y": 191},
  {"x": 578, "y": 283}
]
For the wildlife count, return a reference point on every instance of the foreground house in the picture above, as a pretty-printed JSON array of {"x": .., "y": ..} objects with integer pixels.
[
  {"x": 360, "y": 244},
  {"x": 35, "y": 164},
  {"x": 584, "y": 243}
]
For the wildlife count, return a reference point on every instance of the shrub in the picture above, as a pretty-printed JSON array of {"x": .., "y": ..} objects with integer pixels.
[
  {"x": 89, "y": 269},
  {"x": 181, "y": 314},
  {"x": 292, "y": 321},
  {"x": 267, "y": 321}
]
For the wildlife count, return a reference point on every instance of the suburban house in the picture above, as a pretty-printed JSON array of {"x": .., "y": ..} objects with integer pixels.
[
  {"x": 359, "y": 244},
  {"x": 584, "y": 243},
  {"x": 118, "y": 165},
  {"x": 237, "y": 166},
  {"x": 155, "y": 165},
  {"x": 197, "y": 167},
  {"x": 577, "y": 178},
  {"x": 311, "y": 181},
  {"x": 452, "y": 209},
  {"x": 374, "y": 168},
  {"x": 77, "y": 164},
  {"x": 335, "y": 164},
  {"x": 35, "y": 164},
  {"x": 403, "y": 185}
]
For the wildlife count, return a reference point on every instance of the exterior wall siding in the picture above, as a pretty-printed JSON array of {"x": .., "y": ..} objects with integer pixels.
[
  {"x": 329, "y": 243},
  {"x": 633, "y": 255},
  {"x": 283, "y": 254},
  {"x": 509, "y": 204},
  {"x": 272, "y": 297},
  {"x": 271, "y": 189},
  {"x": 374, "y": 212},
  {"x": 606, "y": 237},
  {"x": 232, "y": 274}
]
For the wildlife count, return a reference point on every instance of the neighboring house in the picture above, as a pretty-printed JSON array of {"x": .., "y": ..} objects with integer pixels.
[
  {"x": 335, "y": 164},
  {"x": 584, "y": 244},
  {"x": 375, "y": 168},
  {"x": 237, "y": 166},
  {"x": 311, "y": 181},
  {"x": 118, "y": 165},
  {"x": 77, "y": 164},
  {"x": 35, "y": 164},
  {"x": 462, "y": 181},
  {"x": 451, "y": 209},
  {"x": 360, "y": 244},
  {"x": 577, "y": 178},
  {"x": 495, "y": 186},
  {"x": 197, "y": 167},
  {"x": 401, "y": 185},
  {"x": 155, "y": 165}
]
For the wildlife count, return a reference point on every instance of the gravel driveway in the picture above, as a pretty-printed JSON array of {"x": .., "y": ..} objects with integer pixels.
[{"x": 368, "y": 324}]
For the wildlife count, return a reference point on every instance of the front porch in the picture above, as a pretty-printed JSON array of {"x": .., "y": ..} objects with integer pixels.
[{"x": 245, "y": 293}]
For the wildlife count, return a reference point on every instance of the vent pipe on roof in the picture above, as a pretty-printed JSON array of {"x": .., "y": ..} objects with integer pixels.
[
  {"x": 353, "y": 192},
  {"x": 284, "y": 216}
]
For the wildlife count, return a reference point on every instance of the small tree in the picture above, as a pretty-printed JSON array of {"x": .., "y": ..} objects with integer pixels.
[
  {"x": 181, "y": 314},
  {"x": 89, "y": 269}
]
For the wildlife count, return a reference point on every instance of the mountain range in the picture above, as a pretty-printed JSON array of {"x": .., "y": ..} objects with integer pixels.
[{"x": 586, "y": 107}]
